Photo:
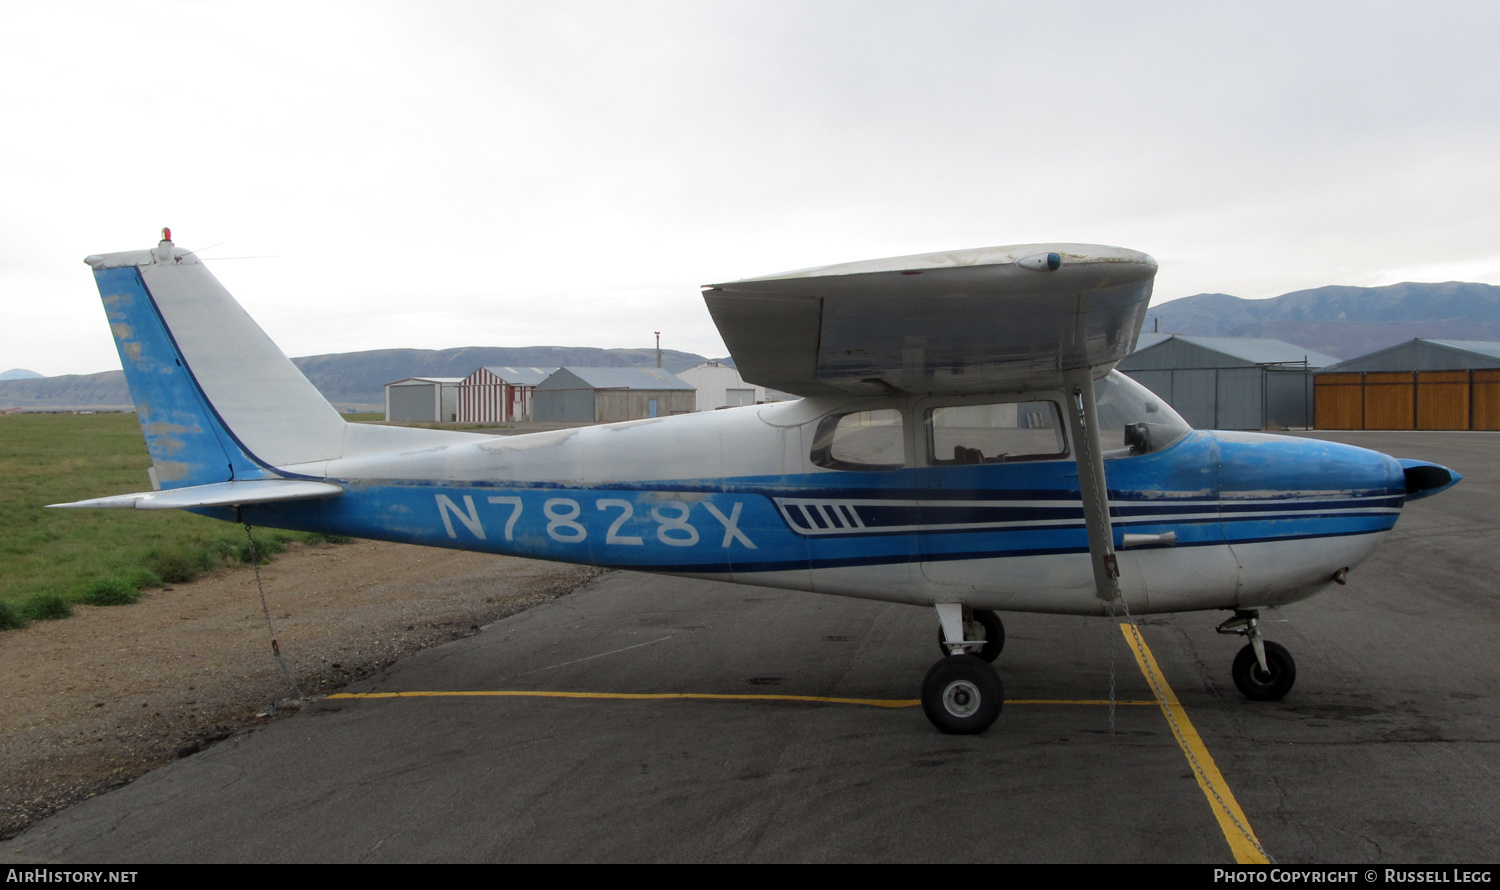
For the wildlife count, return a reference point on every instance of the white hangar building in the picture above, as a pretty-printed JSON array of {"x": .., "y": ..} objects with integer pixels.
[
  {"x": 721, "y": 386},
  {"x": 423, "y": 398}
]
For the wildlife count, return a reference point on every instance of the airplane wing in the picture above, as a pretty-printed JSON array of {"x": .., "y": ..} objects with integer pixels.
[{"x": 983, "y": 320}]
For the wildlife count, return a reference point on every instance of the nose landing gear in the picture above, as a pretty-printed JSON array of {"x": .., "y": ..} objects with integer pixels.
[{"x": 1263, "y": 671}]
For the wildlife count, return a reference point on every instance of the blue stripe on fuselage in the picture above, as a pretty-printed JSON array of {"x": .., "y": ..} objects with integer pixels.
[{"x": 708, "y": 526}]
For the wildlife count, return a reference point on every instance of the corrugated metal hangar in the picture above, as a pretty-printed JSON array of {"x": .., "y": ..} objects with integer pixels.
[
  {"x": 1229, "y": 383},
  {"x": 606, "y": 395},
  {"x": 491, "y": 395},
  {"x": 1418, "y": 385},
  {"x": 423, "y": 398}
]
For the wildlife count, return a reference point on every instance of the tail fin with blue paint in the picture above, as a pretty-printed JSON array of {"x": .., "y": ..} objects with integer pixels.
[{"x": 217, "y": 400}]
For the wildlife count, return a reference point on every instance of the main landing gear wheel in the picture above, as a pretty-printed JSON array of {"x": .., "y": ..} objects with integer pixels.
[
  {"x": 961, "y": 695},
  {"x": 994, "y": 635},
  {"x": 1265, "y": 685}
]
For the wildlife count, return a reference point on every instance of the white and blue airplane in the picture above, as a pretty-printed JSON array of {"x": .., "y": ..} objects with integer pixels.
[{"x": 961, "y": 443}]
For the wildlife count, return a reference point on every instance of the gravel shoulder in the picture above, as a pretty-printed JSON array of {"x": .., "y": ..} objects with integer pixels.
[{"x": 96, "y": 700}]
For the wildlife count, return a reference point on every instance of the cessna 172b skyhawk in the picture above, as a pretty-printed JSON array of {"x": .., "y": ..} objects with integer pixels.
[{"x": 961, "y": 443}]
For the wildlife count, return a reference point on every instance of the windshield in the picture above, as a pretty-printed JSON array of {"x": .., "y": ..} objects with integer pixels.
[{"x": 1133, "y": 419}]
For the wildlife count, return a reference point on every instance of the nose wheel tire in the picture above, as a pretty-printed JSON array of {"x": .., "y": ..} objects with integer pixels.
[
  {"x": 993, "y": 636},
  {"x": 1270, "y": 684},
  {"x": 961, "y": 695}
]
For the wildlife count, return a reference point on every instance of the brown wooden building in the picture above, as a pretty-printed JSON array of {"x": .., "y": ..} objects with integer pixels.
[{"x": 1418, "y": 385}]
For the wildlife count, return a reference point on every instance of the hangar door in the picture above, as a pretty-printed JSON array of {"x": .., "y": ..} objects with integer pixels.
[
  {"x": 1407, "y": 400},
  {"x": 417, "y": 402},
  {"x": 1238, "y": 399},
  {"x": 1210, "y": 398}
]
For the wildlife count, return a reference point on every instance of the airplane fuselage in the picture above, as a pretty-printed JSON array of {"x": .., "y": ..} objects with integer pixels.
[{"x": 740, "y": 495}]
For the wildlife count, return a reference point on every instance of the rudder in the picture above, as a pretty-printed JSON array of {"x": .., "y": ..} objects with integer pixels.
[
  {"x": 216, "y": 399},
  {"x": 188, "y": 445}
]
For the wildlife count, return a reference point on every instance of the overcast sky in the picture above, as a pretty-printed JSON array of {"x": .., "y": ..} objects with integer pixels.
[{"x": 432, "y": 175}]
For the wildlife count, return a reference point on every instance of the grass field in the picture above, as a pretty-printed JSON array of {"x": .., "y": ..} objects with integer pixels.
[
  {"x": 422, "y": 424},
  {"x": 74, "y": 554}
]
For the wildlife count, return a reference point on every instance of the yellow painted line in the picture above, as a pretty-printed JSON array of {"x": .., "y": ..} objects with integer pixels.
[
  {"x": 702, "y": 696},
  {"x": 634, "y": 696},
  {"x": 1242, "y": 841},
  {"x": 1074, "y": 701}
]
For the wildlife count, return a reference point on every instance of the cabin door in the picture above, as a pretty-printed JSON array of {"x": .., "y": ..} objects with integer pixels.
[{"x": 1002, "y": 517}]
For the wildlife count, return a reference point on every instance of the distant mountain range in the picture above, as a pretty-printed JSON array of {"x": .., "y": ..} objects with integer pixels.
[
  {"x": 18, "y": 374},
  {"x": 1341, "y": 321},
  {"x": 352, "y": 380},
  {"x": 360, "y": 377}
]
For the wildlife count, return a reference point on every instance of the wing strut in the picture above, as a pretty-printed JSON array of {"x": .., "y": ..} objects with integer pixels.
[{"x": 1084, "y": 422}]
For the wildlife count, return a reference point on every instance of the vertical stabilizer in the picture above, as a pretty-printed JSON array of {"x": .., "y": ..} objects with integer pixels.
[{"x": 217, "y": 400}]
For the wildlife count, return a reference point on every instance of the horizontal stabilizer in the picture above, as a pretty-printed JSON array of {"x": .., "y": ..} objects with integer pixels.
[{"x": 219, "y": 494}]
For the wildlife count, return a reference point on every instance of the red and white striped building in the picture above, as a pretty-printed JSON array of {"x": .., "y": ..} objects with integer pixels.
[{"x": 494, "y": 395}]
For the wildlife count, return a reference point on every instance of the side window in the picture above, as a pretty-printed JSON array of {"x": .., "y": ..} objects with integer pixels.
[
  {"x": 863, "y": 440},
  {"x": 998, "y": 433}
]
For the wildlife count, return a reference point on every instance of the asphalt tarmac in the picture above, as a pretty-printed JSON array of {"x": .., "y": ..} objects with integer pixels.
[{"x": 1385, "y": 752}]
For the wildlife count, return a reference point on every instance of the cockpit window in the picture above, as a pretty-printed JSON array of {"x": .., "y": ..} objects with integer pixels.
[
  {"x": 997, "y": 433},
  {"x": 862, "y": 440},
  {"x": 1133, "y": 419}
]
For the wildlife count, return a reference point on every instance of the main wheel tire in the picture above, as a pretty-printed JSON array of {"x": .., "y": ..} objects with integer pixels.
[
  {"x": 1270, "y": 684},
  {"x": 994, "y": 636},
  {"x": 961, "y": 695}
]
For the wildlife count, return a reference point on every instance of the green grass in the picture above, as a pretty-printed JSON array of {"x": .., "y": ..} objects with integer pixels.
[
  {"x": 46, "y": 605},
  {"x": 179, "y": 564},
  {"x": 379, "y": 417},
  {"x": 262, "y": 552},
  {"x": 111, "y": 590},
  {"x": 94, "y": 555},
  {"x": 10, "y": 617}
]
